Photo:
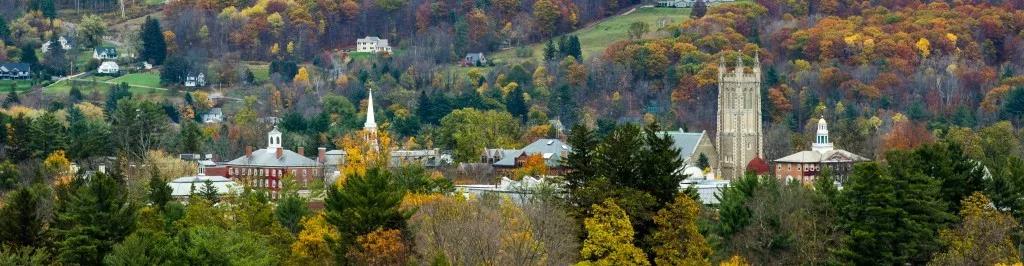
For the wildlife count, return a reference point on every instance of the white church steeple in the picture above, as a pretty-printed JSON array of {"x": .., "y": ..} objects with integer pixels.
[
  {"x": 371, "y": 123},
  {"x": 274, "y": 139},
  {"x": 821, "y": 140}
]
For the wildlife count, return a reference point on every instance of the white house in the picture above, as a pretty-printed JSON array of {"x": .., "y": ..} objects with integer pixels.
[
  {"x": 195, "y": 80},
  {"x": 372, "y": 45},
  {"x": 108, "y": 67},
  {"x": 64, "y": 44},
  {"x": 183, "y": 187},
  {"x": 215, "y": 115},
  {"x": 104, "y": 53}
]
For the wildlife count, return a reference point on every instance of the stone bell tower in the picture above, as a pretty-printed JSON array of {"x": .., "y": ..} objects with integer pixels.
[{"x": 739, "y": 136}]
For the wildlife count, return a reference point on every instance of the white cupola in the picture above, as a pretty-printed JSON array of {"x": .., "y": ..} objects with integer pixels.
[
  {"x": 821, "y": 140},
  {"x": 274, "y": 139}
]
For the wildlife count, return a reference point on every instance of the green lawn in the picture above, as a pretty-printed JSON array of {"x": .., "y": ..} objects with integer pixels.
[
  {"x": 142, "y": 79},
  {"x": 260, "y": 70},
  {"x": 597, "y": 37},
  {"x": 20, "y": 85}
]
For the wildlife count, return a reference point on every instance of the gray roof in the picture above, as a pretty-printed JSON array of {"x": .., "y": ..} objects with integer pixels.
[
  {"x": 832, "y": 156},
  {"x": 550, "y": 149},
  {"x": 15, "y": 67},
  {"x": 686, "y": 142},
  {"x": 106, "y": 51},
  {"x": 182, "y": 187},
  {"x": 268, "y": 158}
]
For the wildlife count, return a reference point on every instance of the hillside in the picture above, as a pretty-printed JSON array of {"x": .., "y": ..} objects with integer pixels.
[{"x": 599, "y": 35}]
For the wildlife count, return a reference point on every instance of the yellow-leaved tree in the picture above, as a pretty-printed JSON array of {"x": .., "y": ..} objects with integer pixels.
[
  {"x": 311, "y": 247},
  {"x": 58, "y": 167},
  {"x": 380, "y": 248},
  {"x": 362, "y": 152},
  {"x": 302, "y": 77},
  {"x": 610, "y": 238},
  {"x": 679, "y": 242},
  {"x": 983, "y": 237}
]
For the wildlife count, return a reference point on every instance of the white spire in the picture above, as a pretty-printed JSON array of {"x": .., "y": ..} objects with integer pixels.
[
  {"x": 371, "y": 123},
  {"x": 274, "y": 139},
  {"x": 821, "y": 140}
]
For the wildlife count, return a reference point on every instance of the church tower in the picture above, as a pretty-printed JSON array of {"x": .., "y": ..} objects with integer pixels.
[
  {"x": 739, "y": 136},
  {"x": 274, "y": 139},
  {"x": 371, "y": 124}
]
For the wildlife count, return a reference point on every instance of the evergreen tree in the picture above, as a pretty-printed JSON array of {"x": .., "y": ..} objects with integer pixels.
[
  {"x": 209, "y": 192},
  {"x": 581, "y": 160},
  {"x": 892, "y": 214},
  {"x": 9, "y": 176},
  {"x": 190, "y": 137},
  {"x": 75, "y": 95},
  {"x": 563, "y": 46},
  {"x": 48, "y": 135},
  {"x": 700, "y": 8},
  {"x": 5, "y": 31},
  {"x": 365, "y": 203},
  {"x": 516, "y": 103},
  {"x": 154, "y": 47},
  {"x": 28, "y": 55},
  {"x": 48, "y": 8},
  {"x": 703, "y": 162},
  {"x": 88, "y": 138},
  {"x": 56, "y": 58},
  {"x": 658, "y": 166},
  {"x": 11, "y": 99},
  {"x": 958, "y": 176},
  {"x": 22, "y": 222},
  {"x": 290, "y": 211},
  {"x": 95, "y": 214},
  {"x": 174, "y": 71},
  {"x": 146, "y": 247},
  {"x": 159, "y": 193},
  {"x": 732, "y": 211},
  {"x": 575, "y": 49},
  {"x": 117, "y": 92},
  {"x": 19, "y": 141},
  {"x": 550, "y": 52}
]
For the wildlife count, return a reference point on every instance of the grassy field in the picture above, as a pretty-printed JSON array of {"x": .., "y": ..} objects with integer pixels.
[
  {"x": 144, "y": 83},
  {"x": 260, "y": 70},
  {"x": 20, "y": 85},
  {"x": 599, "y": 36},
  {"x": 142, "y": 79}
]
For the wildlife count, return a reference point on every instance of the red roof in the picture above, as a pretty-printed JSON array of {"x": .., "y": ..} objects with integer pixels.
[{"x": 758, "y": 166}]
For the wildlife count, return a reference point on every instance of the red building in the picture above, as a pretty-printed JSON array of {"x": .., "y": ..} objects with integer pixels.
[{"x": 264, "y": 168}]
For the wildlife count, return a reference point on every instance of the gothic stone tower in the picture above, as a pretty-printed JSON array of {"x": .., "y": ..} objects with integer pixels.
[{"x": 739, "y": 131}]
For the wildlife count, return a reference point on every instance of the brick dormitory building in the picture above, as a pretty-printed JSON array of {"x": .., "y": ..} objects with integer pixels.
[{"x": 805, "y": 166}]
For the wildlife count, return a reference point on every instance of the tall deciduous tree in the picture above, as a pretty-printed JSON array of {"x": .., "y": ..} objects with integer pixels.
[
  {"x": 92, "y": 28},
  {"x": 983, "y": 237},
  {"x": 610, "y": 238},
  {"x": 678, "y": 240},
  {"x": 154, "y": 47}
]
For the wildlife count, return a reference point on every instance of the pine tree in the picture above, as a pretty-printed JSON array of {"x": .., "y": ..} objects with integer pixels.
[
  {"x": 154, "y": 47},
  {"x": 95, "y": 214},
  {"x": 209, "y": 192},
  {"x": 550, "y": 52},
  {"x": 159, "y": 193},
  {"x": 700, "y": 8},
  {"x": 28, "y": 55},
  {"x": 56, "y": 58},
  {"x": 659, "y": 165},
  {"x": 190, "y": 137},
  {"x": 575, "y": 48},
  {"x": 5, "y": 31},
  {"x": 19, "y": 140},
  {"x": 11, "y": 99},
  {"x": 365, "y": 203},
  {"x": 516, "y": 103},
  {"x": 581, "y": 160},
  {"x": 75, "y": 95},
  {"x": 732, "y": 211},
  {"x": 47, "y": 135},
  {"x": 22, "y": 222}
]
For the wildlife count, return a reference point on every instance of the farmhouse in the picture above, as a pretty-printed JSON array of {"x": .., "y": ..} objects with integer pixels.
[
  {"x": 195, "y": 80},
  {"x": 372, "y": 45},
  {"x": 474, "y": 59},
  {"x": 108, "y": 68},
  {"x": 104, "y": 53},
  {"x": 64, "y": 44}
]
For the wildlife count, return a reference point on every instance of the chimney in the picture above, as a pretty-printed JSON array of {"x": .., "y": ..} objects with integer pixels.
[
  {"x": 248, "y": 151},
  {"x": 321, "y": 155},
  {"x": 280, "y": 152},
  {"x": 302, "y": 151}
]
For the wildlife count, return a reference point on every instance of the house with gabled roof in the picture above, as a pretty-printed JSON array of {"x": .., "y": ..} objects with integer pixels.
[
  {"x": 104, "y": 53},
  {"x": 372, "y": 44},
  {"x": 553, "y": 151},
  {"x": 15, "y": 71}
]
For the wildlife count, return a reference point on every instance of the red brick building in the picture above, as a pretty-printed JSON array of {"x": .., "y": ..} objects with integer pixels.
[
  {"x": 805, "y": 166},
  {"x": 264, "y": 168}
]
